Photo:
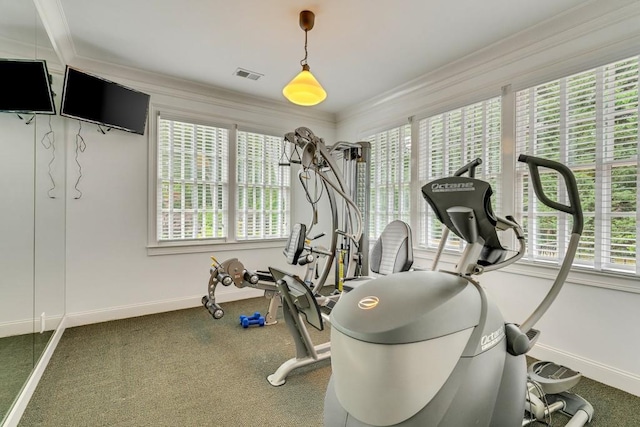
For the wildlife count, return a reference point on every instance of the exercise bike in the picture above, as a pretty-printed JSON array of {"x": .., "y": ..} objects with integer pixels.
[{"x": 429, "y": 348}]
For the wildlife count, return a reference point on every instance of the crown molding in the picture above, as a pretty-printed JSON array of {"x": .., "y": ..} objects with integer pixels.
[
  {"x": 55, "y": 24},
  {"x": 16, "y": 49}
]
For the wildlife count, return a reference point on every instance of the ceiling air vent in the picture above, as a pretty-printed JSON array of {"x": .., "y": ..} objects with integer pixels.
[{"x": 251, "y": 75}]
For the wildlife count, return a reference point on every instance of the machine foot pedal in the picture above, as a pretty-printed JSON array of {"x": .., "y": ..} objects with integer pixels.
[{"x": 553, "y": 378}]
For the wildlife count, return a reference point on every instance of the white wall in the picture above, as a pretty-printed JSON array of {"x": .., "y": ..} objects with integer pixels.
[
  {"x": 50, "y": 224},
  {"x": 16, "y": 223},
  {"x": 588, "y": 327},
  {"x": 592, "y": 326},
  {"x": 32, "y": 258}
]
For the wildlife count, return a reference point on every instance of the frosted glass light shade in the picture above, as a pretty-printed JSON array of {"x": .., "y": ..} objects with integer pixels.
[{"x": 304, "y": 89}]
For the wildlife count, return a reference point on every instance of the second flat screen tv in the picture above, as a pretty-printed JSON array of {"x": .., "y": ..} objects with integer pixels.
[{"x": 97, "y": 100}]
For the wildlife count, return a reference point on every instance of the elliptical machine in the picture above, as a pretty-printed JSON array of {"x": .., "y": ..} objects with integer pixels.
[{"x": 429, "y": 348}]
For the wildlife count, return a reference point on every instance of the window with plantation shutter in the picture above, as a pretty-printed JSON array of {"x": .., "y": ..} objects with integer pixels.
[
  {"x": 192, "y": 181},
  {"x": 262, "y": 201},
  {"x": 447, "y": 142},
  {"x": 218, "y": 183},
  {"x": 390, "y": 195},
  {"x": 588, "y": 121}
]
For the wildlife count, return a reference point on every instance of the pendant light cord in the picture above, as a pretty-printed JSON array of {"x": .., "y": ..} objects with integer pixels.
[{"x": 304, "y": 60}]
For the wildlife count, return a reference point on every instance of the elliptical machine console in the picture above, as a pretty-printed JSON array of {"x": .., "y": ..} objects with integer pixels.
[{"x": 427, "y": 348}]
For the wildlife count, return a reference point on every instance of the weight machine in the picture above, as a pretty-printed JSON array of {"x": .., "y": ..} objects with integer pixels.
[{"x": 345, "y": 186}]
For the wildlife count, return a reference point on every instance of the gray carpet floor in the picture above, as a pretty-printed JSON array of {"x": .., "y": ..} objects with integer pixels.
[
  {"x": 183, "y": 368},
  {"x": 178, "y": 368},
  {"x": 18, "y": 356}
]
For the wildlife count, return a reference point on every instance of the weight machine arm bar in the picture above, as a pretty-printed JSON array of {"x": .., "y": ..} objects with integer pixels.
[{"x": 304, "y": 136}]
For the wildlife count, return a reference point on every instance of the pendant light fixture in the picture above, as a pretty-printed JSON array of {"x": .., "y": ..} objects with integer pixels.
[{"x": 304, "y": 89}]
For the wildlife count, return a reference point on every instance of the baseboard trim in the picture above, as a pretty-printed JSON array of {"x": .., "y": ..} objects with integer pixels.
[
  {"x": 154, "y": 307},
  {"x": 18, "y": 327},
  {"x": 29, "y": 326},
  {"x": 608, "y": 375},
  {"x": 13, "y": 417}
]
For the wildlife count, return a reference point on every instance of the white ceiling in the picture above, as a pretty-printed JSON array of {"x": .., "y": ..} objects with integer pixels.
[{"x": 358, "y": 48}]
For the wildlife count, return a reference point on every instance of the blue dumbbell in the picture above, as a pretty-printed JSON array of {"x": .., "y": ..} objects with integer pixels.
[{"x": 255, "y": 319}]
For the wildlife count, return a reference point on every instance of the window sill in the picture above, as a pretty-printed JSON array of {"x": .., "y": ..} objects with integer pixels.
[
  {"x": 618, "y": 281},
  {"x": 191, "y": 247}
]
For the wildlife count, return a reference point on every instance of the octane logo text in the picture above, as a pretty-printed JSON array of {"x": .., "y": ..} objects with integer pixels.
[{"x": 455, "y": 186}]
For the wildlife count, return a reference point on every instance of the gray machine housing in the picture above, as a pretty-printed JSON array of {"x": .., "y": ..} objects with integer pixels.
[{"x": 461, "y": 338}]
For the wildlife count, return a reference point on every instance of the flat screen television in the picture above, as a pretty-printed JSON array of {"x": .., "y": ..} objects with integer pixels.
[
  {"x": 25, "y": 87},
  {"x": 94, "y": 99}
]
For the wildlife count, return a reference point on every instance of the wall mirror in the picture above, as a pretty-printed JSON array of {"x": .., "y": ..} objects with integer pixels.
[{"x": 32, "y": 211}]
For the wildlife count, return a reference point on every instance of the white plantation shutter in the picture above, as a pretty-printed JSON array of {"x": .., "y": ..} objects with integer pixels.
[
  {"x": 193, "y": 184},
  {"x": 192, "y": 181},
  {"x": 588, "y": 121},
  {"x": 447, "y": 142},
  {"x": 390, "y": 195},
  {"x": 262, "y": 204}
]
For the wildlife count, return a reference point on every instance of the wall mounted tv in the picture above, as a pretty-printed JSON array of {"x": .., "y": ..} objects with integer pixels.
[
  {"x": 25, "y": 87},
  {"x": 94, "y": 99}
]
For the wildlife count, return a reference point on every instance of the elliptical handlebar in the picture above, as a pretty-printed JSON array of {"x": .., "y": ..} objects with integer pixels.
[
  {"x": 469, "y": 167},
  {"x": 574, "y": 208}
]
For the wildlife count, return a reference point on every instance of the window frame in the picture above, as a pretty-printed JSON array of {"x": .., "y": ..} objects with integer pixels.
[{"x": 230, "y": 242}]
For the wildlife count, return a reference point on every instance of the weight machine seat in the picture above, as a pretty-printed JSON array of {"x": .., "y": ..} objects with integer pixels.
[
  {"x": 295, "y": 243},
  {"x": 393, "y": 251},
  {"x": 458, "y": 197},
  {"x": 298, "y": 298}
]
